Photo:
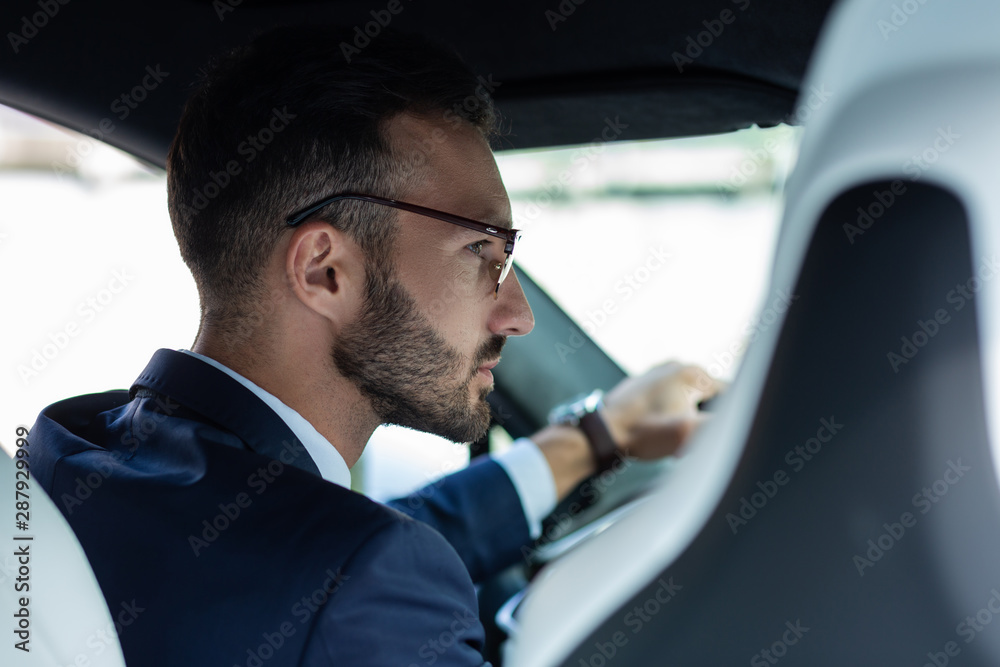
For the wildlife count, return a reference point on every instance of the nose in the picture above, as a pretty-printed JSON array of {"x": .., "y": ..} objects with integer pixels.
[{"x": 511, "y": 314}]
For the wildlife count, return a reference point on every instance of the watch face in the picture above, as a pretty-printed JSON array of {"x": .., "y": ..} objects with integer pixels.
[
  {"x": 593, "y": 401},
  {"x": 571, "y": 411},
  {"x": 563, "y": 414}
]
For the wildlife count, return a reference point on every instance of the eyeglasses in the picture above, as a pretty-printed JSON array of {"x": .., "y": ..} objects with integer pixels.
[{"x": 498, "y": 270}]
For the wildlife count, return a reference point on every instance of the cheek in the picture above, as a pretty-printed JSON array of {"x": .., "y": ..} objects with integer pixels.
[
  {"x": 436, "y": 276},
  {"x": 458, "y": 316},
  {"x": 448, "y": 293},
  {"x": 448, "y": 296}
]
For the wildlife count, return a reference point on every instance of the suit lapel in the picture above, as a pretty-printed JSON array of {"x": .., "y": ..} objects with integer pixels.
[{"x": 218, "y": 397}]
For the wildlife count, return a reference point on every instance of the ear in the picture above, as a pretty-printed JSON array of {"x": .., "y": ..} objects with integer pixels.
[{"x": 326, "y": 271}]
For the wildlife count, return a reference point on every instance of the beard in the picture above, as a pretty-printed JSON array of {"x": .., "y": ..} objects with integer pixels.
[{"x": 406, "y": 369}]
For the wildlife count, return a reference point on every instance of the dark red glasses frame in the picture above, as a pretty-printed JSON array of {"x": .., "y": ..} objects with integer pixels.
[{"x": 508, "y": 235}]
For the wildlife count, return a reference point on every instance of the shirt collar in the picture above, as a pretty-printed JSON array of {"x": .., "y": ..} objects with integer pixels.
[{"x": 330, "y": 463}]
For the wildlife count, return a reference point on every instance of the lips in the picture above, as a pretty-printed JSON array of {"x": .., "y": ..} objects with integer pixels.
[
  {"x": 485, "y": 369},
  {"x": 489, "y": 350}
]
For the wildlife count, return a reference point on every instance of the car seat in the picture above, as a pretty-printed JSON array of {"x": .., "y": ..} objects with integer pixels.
[
  {"x": 842, "y": 507},
  {"x": 65, "y": 620}
]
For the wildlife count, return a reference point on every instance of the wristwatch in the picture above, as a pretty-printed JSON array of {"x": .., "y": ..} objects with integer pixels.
[{"x": 584, "y": 413}]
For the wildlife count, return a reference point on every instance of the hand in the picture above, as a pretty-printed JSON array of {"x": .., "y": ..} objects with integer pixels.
[
  {"x": 649, "y": 416},
  {"x": 652, "y": 415}
]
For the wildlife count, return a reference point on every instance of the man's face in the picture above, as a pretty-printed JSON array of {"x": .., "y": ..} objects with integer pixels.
[{"x": 430, "y": 328}]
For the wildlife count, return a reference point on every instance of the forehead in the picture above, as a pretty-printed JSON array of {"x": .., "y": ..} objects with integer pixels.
[{"x": 448, "y": 165}]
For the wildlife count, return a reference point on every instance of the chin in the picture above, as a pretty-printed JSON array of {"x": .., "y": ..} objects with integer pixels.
[{"x": 478, "y": 418}]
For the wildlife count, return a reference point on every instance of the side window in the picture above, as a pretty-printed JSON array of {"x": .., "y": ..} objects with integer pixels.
[
  {"x": 658, "y": 249},
  {"x": 92, "y": 279}
]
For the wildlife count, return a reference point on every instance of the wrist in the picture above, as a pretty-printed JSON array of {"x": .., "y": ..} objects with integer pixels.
[
  {"x": 585, "y": 413},
  {"x": 568, "y": 454}
]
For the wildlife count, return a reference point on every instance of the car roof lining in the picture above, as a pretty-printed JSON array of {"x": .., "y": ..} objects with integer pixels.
[{"x": 558, "y": 79}]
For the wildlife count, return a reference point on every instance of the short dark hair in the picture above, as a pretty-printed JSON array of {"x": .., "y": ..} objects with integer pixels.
[{"x": 286, "y": 119}]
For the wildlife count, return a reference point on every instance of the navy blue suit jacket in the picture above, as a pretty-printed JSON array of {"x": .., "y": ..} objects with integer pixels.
[{"x": 199, "y": 509}]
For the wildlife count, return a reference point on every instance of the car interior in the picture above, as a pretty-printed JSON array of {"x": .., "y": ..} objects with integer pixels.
[{"x": 841, "y": 504}]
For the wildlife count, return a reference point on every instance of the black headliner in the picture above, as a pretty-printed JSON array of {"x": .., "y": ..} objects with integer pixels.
[{"x": 607, "y": 59}]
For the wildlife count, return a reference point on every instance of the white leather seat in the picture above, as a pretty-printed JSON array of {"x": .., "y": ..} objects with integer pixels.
[
  {"x": 884, "y": 541},
  {"x": 69, "y": 620}
]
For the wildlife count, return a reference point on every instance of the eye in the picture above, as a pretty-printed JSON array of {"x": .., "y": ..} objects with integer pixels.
[{"x": 478, "y": 247}]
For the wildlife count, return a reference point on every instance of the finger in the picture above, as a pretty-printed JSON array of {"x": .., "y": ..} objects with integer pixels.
[
  {"x": 699, "y": 385},
  {"x": 656, "y": 437}
]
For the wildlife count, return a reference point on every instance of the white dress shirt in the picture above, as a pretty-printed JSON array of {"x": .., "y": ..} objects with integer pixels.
[{"x": 524, "y": 463}]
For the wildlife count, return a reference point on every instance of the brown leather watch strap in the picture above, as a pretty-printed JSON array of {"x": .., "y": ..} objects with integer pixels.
[{"x": 602, "y": 445}]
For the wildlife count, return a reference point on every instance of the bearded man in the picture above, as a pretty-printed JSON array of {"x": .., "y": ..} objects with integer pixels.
[{"x": 351, "y": 241}]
